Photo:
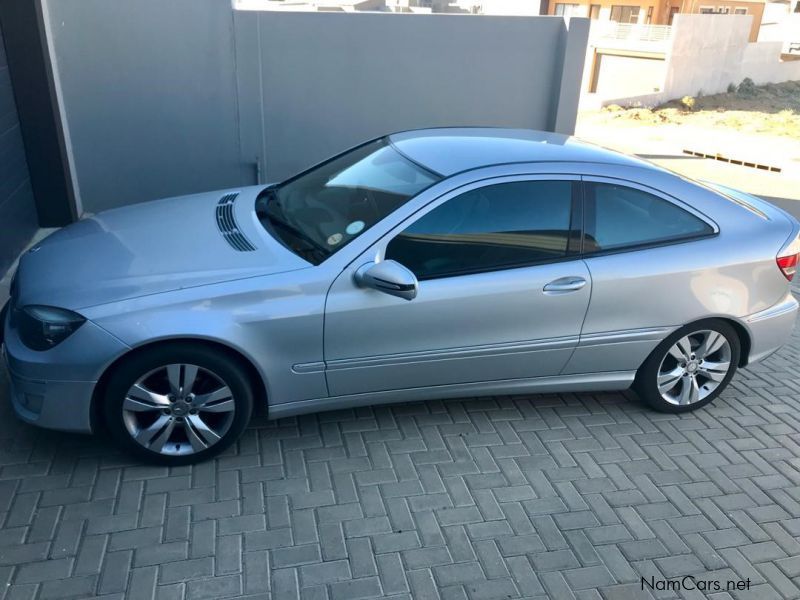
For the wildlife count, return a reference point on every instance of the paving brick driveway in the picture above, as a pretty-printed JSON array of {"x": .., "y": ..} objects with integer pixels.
[{"x": 556, "y": 496}]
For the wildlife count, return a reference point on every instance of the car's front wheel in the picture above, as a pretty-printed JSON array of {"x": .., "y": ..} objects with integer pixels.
[
  {"x": 178, "y": 403},
  {"x": 690, "y": 368}
]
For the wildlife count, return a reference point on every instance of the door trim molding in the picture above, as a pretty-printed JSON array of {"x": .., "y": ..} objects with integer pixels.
[
  {"x": 624, "y": 335},
  {"x": 486, "y": 350}
]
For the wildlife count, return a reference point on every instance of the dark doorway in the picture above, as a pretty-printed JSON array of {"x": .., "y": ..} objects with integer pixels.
[
  {"x": 17, "y": 206},
  {"x": 30, "y": 72}
]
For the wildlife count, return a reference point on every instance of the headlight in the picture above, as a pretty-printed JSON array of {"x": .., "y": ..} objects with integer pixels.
[{"x": 42, "y": 327}]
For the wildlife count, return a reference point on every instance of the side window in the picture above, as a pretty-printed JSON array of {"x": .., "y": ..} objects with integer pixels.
[
  {"x": 489, "y": 228},
  {"x": 618, "y": 217}
]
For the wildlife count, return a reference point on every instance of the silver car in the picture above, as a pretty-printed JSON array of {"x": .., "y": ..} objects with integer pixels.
[{"x": 427, "y": 264}]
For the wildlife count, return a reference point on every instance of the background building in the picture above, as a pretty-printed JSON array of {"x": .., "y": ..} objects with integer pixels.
[
  {"x": 699, "y": 54},
  {"x": 657, "y": 12},
  {"x": 781, "y": 23}
]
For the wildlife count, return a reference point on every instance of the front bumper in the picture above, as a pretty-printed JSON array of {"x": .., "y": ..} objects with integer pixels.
[
  {"x": 54, "y": 388},
  {"x": 772, "y": 328},
  {"x": 63, "y": 405}
]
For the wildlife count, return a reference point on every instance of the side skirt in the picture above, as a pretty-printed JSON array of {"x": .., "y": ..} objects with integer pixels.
[{"x": 592, "y": 382}]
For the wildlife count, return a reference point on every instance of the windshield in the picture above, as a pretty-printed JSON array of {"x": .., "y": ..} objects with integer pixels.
[{"x": 319, "y": 212}]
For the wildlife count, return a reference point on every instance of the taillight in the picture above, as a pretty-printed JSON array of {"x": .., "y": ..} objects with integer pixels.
[
  {"x": 788, "y": 257},
  {"x": 787, "y": 265}
]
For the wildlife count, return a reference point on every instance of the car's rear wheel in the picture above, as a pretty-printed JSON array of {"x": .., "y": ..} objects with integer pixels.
[
  {"x": 690, "y": 368},
  {"x": 178, "y": 404}
]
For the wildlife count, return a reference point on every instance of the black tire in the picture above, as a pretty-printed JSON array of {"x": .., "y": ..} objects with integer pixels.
[
  {"x": 225, "y": 367},
  {"x": 646, "y": 385}
]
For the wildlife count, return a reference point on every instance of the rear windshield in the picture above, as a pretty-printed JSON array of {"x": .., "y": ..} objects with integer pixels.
[{"x": 320, "y": 211}]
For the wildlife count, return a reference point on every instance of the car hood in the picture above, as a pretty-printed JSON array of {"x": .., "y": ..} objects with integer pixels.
[{"x": 150, "y": 248}]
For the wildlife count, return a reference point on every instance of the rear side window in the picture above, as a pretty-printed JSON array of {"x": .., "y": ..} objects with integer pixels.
[
  {"x": 489, "y": 228},
  {"x": 619, "y": 217}
]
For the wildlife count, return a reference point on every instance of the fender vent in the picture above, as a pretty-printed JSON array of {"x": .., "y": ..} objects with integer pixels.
[{"x": 228, "y": 227}]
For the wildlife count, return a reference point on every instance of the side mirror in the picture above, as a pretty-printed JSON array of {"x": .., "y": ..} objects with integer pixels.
[{"x": 389, "y": 277}]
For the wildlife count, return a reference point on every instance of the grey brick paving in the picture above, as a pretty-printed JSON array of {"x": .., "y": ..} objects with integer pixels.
[{"x": 560, "y": 496}]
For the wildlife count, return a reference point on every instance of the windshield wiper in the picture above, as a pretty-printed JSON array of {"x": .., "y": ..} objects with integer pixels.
[
  {"x": 319, "y": 252},
  {"x": 272, "y": 211}
]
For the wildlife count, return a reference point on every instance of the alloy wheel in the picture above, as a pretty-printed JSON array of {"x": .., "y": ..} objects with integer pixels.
[
  {"x": 694, "y": 367},
  {"x": 178, "y": 409}
]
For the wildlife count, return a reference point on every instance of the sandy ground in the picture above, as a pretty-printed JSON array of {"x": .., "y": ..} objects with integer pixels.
[
  {"x": 761, "y": 126},
  {"x": 772, "y": 109}
]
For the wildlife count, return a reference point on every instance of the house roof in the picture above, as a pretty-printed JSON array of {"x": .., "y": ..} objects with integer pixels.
[{"x": 451, "y": 150}]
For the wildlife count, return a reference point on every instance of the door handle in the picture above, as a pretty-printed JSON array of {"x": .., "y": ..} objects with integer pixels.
[{"x": 564, "y": 284}]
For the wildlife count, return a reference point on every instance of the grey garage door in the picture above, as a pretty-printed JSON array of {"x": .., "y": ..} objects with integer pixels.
[{"x": 619, "y": 75}]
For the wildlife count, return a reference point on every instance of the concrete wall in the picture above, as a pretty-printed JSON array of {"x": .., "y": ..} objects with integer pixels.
[
  {"x": 17, "y": 206},
  {"x": 149, "y": 95},
  {"x": 759, "y": 64},
  {"x": 165, "y": 98},
  {"x": 706, "y": 53},
  {"x": 334, "y": 80}
]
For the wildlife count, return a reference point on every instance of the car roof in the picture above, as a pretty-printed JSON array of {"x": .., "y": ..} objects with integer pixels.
[{"x": 452, "y": 150}]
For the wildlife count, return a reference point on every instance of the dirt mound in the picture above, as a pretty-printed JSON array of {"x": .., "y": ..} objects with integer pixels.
[{"x": 772, "y": 109}]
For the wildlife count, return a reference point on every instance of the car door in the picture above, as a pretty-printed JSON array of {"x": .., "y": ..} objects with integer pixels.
[
  {"x": 647, "y": 253},
  {"x": 501, "y": 292}
]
